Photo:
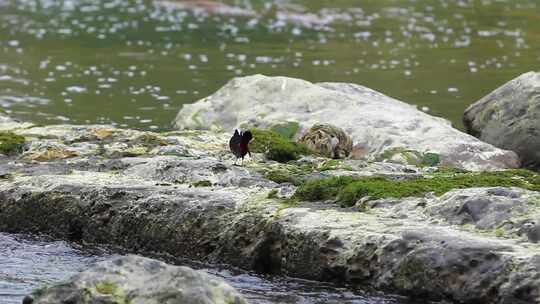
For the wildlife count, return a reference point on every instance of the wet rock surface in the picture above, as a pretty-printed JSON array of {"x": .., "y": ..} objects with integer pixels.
[
  {"x": 135, "y": 279},
  {"x": 375, "y": 122},
  {"x": 124, "y": 188},
  {"x": 509, "y": 118}
]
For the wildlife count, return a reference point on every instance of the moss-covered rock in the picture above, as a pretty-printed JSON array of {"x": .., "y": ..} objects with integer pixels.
[
  {"x": 348, "y": 190},
  {"x": 279, "y": 176},
  {"x": 410, "y": 157},
  {"x": 323, "y": 189},
  {"x": 287, "y": 130},
  {"x": 293, "y": 174},
  {"x": 275, "y": 146},
  {"x": 149, "y": 140},
  {"x": 202, "y": 183},
  {"x": 134, "y": 279},
  {"x": 272, "y": 194},
  {"x": 11, "y": 143}
]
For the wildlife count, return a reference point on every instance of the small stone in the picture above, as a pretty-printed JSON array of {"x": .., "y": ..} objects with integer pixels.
[{"x": 532, "y": 231}]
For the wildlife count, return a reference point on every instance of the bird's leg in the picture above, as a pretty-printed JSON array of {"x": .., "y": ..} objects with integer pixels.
[{"x": 242, "y": 161}]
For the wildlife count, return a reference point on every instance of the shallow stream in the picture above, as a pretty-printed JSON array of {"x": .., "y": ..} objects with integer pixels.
[{"x": 27, "y": 262}]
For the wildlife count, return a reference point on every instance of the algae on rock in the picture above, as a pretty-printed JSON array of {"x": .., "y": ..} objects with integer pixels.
[
  {"x": 275, "y": 146},
  {"x": 134, "y": 279},
  {"x": 348, "y": 190},
  {"x": 11, "y": 143}
]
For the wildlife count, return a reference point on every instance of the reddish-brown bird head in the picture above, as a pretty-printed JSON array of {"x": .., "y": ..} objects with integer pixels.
[{"x": 239, "y": 143}]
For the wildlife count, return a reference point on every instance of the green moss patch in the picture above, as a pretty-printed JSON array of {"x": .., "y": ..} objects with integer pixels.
[
  {"x": 431, "y": 159},
  {"x": 202, "y": 183},
  {"x": 287, "y": 130},
  {"x": 107, "y": 288},
  {"x": 286, "y": 204},
  {"x": 323, "y": 189},
  {"x": 11, "y": 143},
  {"x": 113, "y": 291},
  {"x": 335, "y": 164},
  {"x": 412, "y": 157},
  {"x": 411, "y": 273},
  {"x": 150, "y": 141},
  {"x": 279, "y": 176},
  {"x": 284, "y": 176},
  {"x": 348, "y": 190},
  {"x": 275, "y": 146},
  {"x": 272, "y": 194},
  {"x": 330, "y": 164},
  {"x": 292, "y": 173}
]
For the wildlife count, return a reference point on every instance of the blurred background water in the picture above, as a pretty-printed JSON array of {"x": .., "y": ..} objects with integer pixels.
[{"x": 133, "y": 63}]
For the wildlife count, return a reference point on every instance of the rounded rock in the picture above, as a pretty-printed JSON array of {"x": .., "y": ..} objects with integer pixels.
[
  {"x": 509, "y": 118},
  {"x": 328, "y": 140}
]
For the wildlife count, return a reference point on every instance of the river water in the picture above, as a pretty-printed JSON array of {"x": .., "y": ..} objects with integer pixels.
[
  {"x": 135, "y": 62},
  {"x": 27, "y": 262}
]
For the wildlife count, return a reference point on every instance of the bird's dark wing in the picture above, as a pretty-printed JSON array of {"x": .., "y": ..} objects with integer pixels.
[
  {"x": 246, "y": 138},
  {"x": 234, "y": 143}
]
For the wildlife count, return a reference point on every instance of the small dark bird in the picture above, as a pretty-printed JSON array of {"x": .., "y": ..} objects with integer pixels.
[{"x": 239, "y": 144}]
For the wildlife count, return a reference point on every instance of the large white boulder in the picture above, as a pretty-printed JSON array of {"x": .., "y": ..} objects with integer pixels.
[{"x": 375, "y": 122}]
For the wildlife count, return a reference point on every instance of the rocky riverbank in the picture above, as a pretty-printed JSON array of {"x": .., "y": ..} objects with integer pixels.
[{"x": 421, "y": 229}]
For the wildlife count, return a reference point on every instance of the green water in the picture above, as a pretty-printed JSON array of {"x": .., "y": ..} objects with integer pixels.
[{"x": 134, "y": 63}]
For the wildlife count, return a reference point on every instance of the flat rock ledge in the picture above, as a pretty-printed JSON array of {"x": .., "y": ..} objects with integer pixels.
[
  {"x": 178, "y": 193},
  {"x": 138, "y": 280}
]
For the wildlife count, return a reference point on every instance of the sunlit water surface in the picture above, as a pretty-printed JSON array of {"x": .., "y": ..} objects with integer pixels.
[
  {"x": 28, "y": 262},
  {"x": 134, "y": 63}
]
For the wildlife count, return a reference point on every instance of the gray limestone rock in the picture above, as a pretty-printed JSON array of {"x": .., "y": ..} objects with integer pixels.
[
  {"x": 138, "y": 280},
  {"x": 509, "y": 118}
]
